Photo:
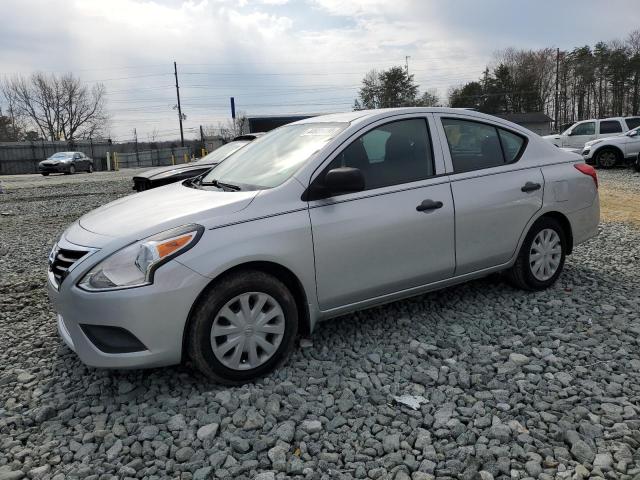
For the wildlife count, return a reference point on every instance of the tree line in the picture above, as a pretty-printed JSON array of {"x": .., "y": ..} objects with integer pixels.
[
  {"x": 51, "y": 107},
  {"x": 599, "y": 81}
]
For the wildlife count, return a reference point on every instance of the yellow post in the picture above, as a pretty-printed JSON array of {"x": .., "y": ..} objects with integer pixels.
[
  {"x": 203, "y": 152},
  {"x": 116, "y": 161},
  {"x": 173, "y": 159},
  {"x": 186, "y": 158}
]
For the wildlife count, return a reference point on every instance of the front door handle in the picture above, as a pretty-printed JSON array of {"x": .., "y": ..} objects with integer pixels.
[
  {"x": 530, "y": 187},
  {"x": 428, "y": 204}
]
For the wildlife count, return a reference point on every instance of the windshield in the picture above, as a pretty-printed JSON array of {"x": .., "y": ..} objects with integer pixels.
[
  {"x": 270, "y": 160},
  {"x": 221, "y": 153},
  {"x": 61, "y": 155}
]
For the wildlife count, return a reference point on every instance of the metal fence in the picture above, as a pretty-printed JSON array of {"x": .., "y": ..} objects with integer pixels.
[
  {"x": 152, "y": 158},
  {"x": 23, "y": 157}
]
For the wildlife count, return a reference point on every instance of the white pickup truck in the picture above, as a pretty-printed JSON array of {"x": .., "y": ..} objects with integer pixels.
[{"x": 579, "y": 133}]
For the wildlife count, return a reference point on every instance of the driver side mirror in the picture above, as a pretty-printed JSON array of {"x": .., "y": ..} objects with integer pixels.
[
  {"x": 336, "y": 181},
  {"x": 344, "y": 180},
  {"x": 633, "y": 133}
]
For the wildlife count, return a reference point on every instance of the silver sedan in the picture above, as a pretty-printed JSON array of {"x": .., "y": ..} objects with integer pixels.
[{"x": 316, "y": 219}]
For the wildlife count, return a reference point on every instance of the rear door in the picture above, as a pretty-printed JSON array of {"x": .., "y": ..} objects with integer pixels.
[
  {"x": 495, "y": 196},
  {"x": 610, "y": 128},
  {"x": 381, "y": 241}
]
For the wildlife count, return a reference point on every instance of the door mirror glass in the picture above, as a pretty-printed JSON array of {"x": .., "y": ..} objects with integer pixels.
[
  {"x": 633, "y": 133},
  {"x": 344, "y": 180}
]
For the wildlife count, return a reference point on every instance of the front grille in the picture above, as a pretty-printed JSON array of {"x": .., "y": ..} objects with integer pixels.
[{"x": 62, "y": 260}]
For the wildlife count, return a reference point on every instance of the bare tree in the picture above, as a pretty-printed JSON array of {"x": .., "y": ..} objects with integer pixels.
[{"x": 59, "y": 107}]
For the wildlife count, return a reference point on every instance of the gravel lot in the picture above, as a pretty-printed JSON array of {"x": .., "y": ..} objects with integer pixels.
[{"x": 518, "y": 385}]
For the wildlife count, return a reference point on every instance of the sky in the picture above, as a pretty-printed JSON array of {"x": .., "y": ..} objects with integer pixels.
[{"x": 278, "y": 56}]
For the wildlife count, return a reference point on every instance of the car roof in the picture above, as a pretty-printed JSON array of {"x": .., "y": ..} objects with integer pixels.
[{"x": 364, "y": 115}]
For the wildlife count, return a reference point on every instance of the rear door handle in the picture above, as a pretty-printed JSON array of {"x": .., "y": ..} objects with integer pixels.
[
  {"x": 429, "y": 204},
  {"x": 530, "y": 187}
]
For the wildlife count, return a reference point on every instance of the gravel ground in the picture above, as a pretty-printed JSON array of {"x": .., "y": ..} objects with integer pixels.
[{"x": 517, "y": 385}]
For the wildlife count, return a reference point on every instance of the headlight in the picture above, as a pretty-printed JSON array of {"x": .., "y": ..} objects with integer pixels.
[{"x": 134, "y": 265}]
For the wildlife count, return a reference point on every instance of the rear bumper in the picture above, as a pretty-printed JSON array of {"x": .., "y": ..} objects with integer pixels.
[{"x": 584, "y": 222}]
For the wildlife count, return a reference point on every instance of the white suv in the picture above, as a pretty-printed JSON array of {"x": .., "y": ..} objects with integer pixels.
[
  {"x": 579, "y": 133},
  {"x": 610, "y": 151}
]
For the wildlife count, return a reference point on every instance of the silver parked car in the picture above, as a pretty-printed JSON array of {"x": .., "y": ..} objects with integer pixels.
[
  {"x": 67, "y": 163},
  {"x": 316, "y": 219}
]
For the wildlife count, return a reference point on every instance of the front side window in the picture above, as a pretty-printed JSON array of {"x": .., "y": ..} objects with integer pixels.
[
  {"x": 587, "y": 128},
  {"x": 275, "y": 157},
  {"x": 610, "y": 126},
  {"x": 391, "y": 154},
  {"x": 475, "y": 146}
]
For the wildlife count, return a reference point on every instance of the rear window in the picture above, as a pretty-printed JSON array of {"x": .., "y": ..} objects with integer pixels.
[
  {"x": 610, "y": 126},
  {"x": 632, "y": 122}
]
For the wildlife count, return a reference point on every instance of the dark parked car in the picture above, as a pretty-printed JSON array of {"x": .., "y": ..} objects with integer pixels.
[
  {"x": 174, "y": 173},
  {"x": 66, "y": 162}
]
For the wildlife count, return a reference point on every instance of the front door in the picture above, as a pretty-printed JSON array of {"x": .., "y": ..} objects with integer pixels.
[
  {"x": 580, "y": 134},
  {"x": 396, "y": 234}
]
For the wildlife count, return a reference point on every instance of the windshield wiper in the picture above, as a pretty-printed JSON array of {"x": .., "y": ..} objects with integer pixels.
[{"x": 224, "y": 186}]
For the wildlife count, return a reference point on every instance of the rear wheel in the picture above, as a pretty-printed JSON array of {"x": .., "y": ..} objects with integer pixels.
[
  {"x": 45, "y": 174},
  {"x": 243, "y": 327},
  {"x": 607, "y": 158},
  {"x": 90, "y": 168},
  {"x": 541, "y": 257}
]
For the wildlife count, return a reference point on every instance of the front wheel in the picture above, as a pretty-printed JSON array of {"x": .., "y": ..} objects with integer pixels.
[
  {"x": 606, "y": 158},
  {"x": 541, "y": 257},
  {"x": 636, "y": 165},
  {"x": 45, "y": 174},
  {"x": 72, "y": 169},
  {"x": 90, "y": 168},
  {"x": 243, "y": 327}
]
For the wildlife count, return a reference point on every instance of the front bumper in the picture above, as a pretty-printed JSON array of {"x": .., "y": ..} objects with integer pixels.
[
  {"x": 155, "y": 315},
  {"x": 59, "y": 168},
  {"x": 587, "y": 155}
]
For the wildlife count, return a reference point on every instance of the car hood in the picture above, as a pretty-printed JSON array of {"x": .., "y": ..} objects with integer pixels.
[
  {"x": 614, "y": 139},
  {"x": 159, "y": 209},
  {"x": 171, "y": 169}
]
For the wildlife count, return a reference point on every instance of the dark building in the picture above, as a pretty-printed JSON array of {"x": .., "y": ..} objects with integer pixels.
[
  {"x": 269, "y": 122},
  {"x": 537, "y": 122}
]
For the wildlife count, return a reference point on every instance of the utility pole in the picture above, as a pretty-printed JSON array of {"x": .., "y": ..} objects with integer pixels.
[
  {"x": 175, "y": 72},
  {"x": 201, "y": 135},
  {"x": 557, "y": 105},
  {"x": 135, "y": 137},
  {"x": 406, "y": 63}
]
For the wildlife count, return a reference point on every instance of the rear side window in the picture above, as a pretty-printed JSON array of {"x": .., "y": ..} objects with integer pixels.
[
  {"x": 610, "y": 126},
  {"x": 475, "y": 146},
  {"x": 391, "y": 154},
  {"x": 632, "y": 122}
]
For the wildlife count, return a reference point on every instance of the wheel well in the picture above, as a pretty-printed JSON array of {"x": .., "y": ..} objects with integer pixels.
[
  {"x": 566, "y": 226},
  {"x": 283, "y": 274},
  {"x": 609, "y": 147}
]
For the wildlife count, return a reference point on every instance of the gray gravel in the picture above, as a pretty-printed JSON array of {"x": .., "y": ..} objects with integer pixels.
[{"x": 519, "y": 385}]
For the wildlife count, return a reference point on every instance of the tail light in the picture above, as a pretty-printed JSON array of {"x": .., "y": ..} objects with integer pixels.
[{"x": 587, "y": 170}]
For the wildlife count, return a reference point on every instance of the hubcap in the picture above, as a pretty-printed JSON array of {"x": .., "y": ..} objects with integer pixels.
[
  {"x": 545, "y": 254},
  {"x": 607, "y": 159},
  {"x": 247, "y": 331}
]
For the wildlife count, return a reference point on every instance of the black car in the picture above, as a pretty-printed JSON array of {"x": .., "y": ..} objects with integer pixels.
[
  {"x": 67, "y": 163},
  {"x": 174, "y": 173}
]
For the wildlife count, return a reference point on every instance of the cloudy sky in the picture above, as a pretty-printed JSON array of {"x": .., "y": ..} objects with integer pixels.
[{"x": 278, "y": 56}]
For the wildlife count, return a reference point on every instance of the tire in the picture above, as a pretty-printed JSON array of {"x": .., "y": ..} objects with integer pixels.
[
  {"x": 45, "y": 174},
  {"x": 636, "y": 164},
  {"x": 90, "y": 169},
  {"x": 523, "y": 275},
  {"x": 72, "y": 169},
  {"x": 607, "y": 158},
  {"x": 208, "y": 318}
]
